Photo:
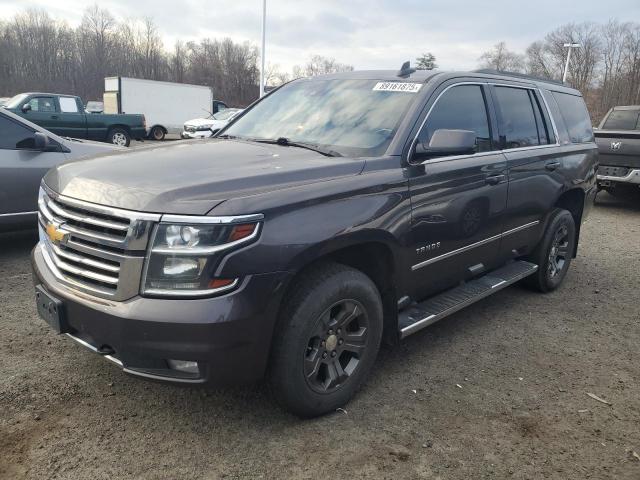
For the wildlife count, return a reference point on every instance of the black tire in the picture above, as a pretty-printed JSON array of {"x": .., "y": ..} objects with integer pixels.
[
  {"x": 119, "y": 136},
  {"x": 554, "y": 252},
  {"x": 157, "y": 133},
  {"x": 332, "y": 312}
]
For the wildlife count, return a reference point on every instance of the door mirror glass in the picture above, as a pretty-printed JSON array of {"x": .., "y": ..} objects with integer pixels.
[
  {"x": 38, "y": 141},
  {"x": 26, "y": 108},
  {"x": 447, "y": 142}
]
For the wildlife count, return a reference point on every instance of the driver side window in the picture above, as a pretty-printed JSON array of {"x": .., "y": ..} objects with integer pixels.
[
  {"x": 42, "y": 104},
  {"x": 462, "y": 107},
  {"x": 13, "y": 135}
]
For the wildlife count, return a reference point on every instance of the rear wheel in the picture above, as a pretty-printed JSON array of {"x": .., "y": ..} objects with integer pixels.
[
  {"x": 158, "y": 133},
  {"x": 554, "y": 252},
  {"x": 327, "y": 340},
  {"x": 119, "y": 136}
]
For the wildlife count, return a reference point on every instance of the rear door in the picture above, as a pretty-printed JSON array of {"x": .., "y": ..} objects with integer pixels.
[
  {"x": 72, "y": 121},
  {"x": 457, "y": 202},
  {"x": 535, "y": 164}
]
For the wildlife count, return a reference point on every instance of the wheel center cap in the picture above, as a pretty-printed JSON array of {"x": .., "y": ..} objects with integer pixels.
[{"x": 331, "y": 343}]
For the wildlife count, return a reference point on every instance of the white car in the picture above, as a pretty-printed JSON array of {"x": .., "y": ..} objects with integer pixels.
[{"x": 206, "y": 127}]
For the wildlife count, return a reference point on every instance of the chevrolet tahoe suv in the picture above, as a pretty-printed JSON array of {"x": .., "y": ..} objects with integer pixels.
[{"x": 336, "y": 212}]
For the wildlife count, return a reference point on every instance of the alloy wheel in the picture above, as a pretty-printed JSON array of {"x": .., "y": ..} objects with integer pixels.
[
  {"x": 336, "y": 346},
  {"x": 559, "y": 251},
  {"x": 119, "y": 139}
]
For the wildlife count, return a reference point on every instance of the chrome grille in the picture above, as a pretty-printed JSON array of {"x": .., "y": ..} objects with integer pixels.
[{"x": 100, "y": 250}]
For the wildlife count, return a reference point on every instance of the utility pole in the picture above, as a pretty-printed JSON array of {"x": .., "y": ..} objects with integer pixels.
[
  {"x": 570, "y": 46},
  {"x": 264, "y": 27}
]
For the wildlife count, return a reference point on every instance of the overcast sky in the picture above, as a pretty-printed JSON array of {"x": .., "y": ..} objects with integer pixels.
[{"x": 366, "y": 34}]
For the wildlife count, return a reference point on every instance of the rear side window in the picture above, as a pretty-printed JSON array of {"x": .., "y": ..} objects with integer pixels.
[
  {"x": 13, "y": 135},
  {"x": 520, "y": 125},
  {"x": 460, "y": 108},
  {"x": 68, "y": 104},
  {"x": 576, "y": 117},
  {"x": 622, "y": 120}
]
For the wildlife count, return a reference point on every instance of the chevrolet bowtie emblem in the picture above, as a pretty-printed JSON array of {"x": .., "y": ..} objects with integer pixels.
[{"x": 55, "y": 233}]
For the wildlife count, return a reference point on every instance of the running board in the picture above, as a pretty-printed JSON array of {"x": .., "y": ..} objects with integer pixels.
[{"x": 421, "y": 315}]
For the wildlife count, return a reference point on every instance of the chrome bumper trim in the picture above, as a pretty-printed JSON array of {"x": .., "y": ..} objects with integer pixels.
[{"x": 632, "y": 177}]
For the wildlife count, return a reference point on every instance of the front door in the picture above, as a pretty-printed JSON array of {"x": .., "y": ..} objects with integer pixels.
[
  {"x": 458, "y": 202},
  {"x": 43, "y": 112}
]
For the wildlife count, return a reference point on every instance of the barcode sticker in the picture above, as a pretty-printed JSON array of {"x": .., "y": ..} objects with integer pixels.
[{"x": 397, "y": 87}]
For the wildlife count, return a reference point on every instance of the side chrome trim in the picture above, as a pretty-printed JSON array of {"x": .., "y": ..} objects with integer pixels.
[
  {"x": 632, "y": 177},
  {"x": 16, "y": 214},
  {"x": 473, "y": 245}
]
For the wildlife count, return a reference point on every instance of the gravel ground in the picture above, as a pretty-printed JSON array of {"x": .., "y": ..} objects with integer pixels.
[{"x": 498, "y": 390}]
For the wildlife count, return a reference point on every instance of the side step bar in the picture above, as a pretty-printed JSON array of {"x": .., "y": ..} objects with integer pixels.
[{"x": 421, "y": 315}]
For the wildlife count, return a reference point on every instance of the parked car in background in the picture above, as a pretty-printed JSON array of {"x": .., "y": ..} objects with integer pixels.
[
  {"x": 207, "y": 127},
  {"x": 618, "y": 139},
  {"x": 335, "y": 211},
  {"x": 218, "y": 106},
  {"x": 165, "y": 105},
  {"x": 27, "y": 151},
  {"x": 94, "y": 106},
  {"x": 64, "y": 115},
  {"x": 4, "y": 100}
]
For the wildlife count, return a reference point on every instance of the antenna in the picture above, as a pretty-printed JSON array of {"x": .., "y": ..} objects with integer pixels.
[{"x": 406, "y": 70}]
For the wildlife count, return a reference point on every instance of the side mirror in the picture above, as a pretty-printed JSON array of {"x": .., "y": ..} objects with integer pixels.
[
  {"x": 38, "y": 142},
  {"x": 26, "y": 108},
  {"x": 447, "y": 142}
]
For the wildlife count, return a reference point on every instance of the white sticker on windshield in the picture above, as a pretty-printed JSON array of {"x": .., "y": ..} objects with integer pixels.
[{"x": 397, "y": 87}]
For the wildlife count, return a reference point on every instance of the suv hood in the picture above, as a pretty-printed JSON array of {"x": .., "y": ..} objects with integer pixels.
[{"x": 193, "y": 177}]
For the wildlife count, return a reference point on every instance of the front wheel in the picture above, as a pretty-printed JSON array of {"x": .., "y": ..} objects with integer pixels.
[
  {"x": 554, "y": 252},
  {"x": 326, "y": 340},
  {"x": 120, "y": 137}
]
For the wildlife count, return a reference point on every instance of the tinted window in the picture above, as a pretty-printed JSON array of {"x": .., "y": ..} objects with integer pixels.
[
  {"x": 13, "y": 135},
  {"x": 460, "y": 108},
  {"x": 42, "y": 104},
  {"x": 518, "y": 126},
  {"x": 576, "y": 118},
  {"x": 622, "y": 120}
]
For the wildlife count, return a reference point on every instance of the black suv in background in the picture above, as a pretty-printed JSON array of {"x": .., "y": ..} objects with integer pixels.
[{"x": 334, "y": 213}]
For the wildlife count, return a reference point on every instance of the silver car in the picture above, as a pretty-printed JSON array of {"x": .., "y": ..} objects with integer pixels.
[{"x": 27, "y": 151}]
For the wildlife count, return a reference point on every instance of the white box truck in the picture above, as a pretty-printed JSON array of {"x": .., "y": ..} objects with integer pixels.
[{"x": 165, "y": 105}]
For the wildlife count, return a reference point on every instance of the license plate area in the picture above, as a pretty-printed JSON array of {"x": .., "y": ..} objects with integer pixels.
[{"x": 51, "y": 310}]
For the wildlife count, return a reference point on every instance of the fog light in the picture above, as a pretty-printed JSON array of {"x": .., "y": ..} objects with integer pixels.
[{"x": 183, "y": 366}]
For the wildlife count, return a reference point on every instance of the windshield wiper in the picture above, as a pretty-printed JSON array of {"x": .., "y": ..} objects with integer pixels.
[
  {"x": 285, "y": 142},
  {"x": 227, "y": 136}
]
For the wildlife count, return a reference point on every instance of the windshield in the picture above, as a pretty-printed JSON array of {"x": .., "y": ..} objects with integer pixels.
[
  {"x": 225, "y": 114},
  {"x": 352, "y": 117},
  {"x": 16, "y": 102}
]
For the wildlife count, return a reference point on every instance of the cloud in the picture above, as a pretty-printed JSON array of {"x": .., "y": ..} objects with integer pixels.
[{"x": 366, "y": 34}]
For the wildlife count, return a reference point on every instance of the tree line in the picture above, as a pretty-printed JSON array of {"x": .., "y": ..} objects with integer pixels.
[
  {"x": 605, "y": 68},
  {"x": 38, "y": 53}
]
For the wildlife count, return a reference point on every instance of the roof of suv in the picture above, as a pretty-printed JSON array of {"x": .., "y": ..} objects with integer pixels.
[{"x": 424, "y": 76}]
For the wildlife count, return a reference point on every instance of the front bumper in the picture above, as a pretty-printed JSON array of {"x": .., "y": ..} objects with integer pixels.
[
  {"x": 631, "y": 177},
  {"x": 228, "y": 336},
  {"x": 197, "y": 134}
]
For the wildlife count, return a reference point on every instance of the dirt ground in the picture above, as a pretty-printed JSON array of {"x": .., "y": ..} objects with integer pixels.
[{"x": 498, "y": 390}]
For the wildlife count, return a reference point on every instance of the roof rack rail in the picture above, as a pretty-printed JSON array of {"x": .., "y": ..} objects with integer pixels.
[{"x": 524, "y": 76}]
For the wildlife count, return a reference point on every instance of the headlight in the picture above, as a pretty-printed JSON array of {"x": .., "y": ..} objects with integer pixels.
[
  {"x": 204, "y": 127},
  {"x": 184, "y": 256}
]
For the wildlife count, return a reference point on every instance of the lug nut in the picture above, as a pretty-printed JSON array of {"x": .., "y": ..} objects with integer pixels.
[
  {"x": 330, "y": 332},
  {"x": 339, "y": 331},
  {"x": 340, "y": 342},
  {"x": 324, "y": 355},
  {"x": 323, "y": 343},
  {"x": 333, "y": 354}
]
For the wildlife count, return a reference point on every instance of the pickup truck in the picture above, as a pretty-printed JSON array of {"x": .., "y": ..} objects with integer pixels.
[
  {"x": 65, "y": 116},
  {"x": 618, "y": 139},
  {"x": 335, "y": 212}
]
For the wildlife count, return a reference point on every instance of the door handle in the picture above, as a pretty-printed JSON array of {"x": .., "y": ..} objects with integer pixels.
[
  {"x": 54, "y": 117},
  {"x": 551, "y": 166},
  {"x": 495, "y": 179}
]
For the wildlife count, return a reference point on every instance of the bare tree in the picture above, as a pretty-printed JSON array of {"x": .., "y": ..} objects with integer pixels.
[
  {"x": 319, "y": 65},
  {"x": 426, "y": 61},
  {"x": 502, "y": 59}
]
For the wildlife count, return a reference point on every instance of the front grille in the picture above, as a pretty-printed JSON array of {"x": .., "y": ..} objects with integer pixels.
[{"x": 96, "y": 249}]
